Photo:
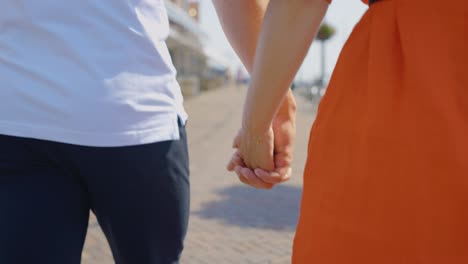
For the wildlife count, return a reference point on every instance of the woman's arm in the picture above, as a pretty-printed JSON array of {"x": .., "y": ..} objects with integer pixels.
[
  {"x": 241, "y": 21},
  {"x": 287, "y": 32}
]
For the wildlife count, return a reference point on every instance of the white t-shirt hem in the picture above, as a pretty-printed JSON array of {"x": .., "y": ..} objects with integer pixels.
[{"x": 168, "y": 131}]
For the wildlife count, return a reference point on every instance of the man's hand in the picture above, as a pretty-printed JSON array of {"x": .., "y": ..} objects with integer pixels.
[
  {"x": 256, "y": 149},
  {"x": 284, "y": 129}
]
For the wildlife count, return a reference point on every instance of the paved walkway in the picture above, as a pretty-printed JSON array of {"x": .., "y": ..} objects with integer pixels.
[{"x": 230, "y": 223}]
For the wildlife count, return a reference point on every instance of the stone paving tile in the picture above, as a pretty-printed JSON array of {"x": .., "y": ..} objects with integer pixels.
[{"x": 230, "y": 223}]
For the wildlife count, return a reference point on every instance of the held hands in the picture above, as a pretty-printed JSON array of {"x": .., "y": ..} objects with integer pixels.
[{"x": 263, "y": 160}]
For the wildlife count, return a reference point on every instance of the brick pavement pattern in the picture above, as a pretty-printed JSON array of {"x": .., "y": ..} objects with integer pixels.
[{"x": 229, "y": 222}]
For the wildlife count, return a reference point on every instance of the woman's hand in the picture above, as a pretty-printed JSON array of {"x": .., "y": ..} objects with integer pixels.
[
  {"x": 284, "y": 128},
  {"x": 256, "y": 148}
]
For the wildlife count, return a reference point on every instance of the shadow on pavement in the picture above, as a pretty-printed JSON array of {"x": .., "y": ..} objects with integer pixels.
[{"x": 276, "y": 209}]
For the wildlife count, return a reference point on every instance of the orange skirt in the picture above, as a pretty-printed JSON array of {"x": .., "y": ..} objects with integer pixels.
[{"x": 386, "y": 179}]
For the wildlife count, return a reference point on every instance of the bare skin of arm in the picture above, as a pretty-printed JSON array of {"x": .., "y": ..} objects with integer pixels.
[
  {"x": 241, "y": 21},
  {"x": 286, "y": 33}
]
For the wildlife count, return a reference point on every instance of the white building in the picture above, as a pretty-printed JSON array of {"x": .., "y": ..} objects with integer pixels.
[{"x": 185, "y": 45}]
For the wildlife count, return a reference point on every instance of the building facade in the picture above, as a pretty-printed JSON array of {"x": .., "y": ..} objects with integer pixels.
[
  {"x": 185, "y": 46},
  {"x": 185, "y": 43}
]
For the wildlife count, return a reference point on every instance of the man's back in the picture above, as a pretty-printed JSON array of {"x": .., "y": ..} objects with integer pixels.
[
  {"x": 87, "y": 72},
  {"x": 91, "y": 118}
]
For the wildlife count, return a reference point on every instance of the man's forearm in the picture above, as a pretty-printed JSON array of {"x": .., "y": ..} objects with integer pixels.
[
  {"x": 287, "y": 109},
  {"x": 242, "y": 21}
]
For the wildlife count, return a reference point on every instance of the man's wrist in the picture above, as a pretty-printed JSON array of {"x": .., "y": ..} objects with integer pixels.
[{"x": 288, "y": 107}]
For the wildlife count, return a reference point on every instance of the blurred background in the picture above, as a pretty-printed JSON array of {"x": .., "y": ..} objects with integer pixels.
[
  {"x": 230, "y": 222},
  {"x": 204, "y": 57}
]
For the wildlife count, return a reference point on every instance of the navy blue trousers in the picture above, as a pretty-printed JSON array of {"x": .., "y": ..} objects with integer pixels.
[{"x": 140, "y": 195}]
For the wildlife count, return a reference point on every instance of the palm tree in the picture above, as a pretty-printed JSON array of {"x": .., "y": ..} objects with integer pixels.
[{"x": 325, "y": 32}]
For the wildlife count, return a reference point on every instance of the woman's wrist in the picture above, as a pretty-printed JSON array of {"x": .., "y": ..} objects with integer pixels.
[
  {"x": 255, "y": 128},
  {"x": 255, "y": 137},
  {"x": 257, "y": 117}
]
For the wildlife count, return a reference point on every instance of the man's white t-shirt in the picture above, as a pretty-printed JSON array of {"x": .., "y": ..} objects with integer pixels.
[{"x": 88, "y": 72}]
